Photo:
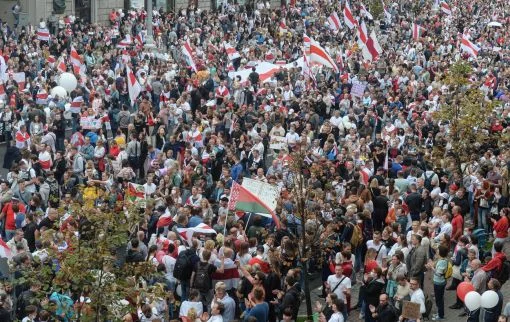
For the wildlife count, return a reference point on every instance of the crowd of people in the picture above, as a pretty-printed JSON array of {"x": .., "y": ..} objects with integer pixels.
[{"x": 383, "y": 217}]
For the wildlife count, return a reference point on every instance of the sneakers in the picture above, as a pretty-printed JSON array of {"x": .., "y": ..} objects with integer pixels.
[{"x": 437, "y": 318}]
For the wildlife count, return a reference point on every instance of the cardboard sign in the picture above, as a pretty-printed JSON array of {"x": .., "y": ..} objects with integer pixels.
[
  {"x": 411, "y": 310},
  {"x": 358, "y": 89},
  {"x": 278, "y": 143},
  {"x": 90, "y": 123},
  {"x": 268, "y": 193}
]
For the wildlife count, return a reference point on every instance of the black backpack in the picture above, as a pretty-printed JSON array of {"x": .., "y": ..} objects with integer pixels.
[
  {"x": 202, "y": 280},
  {"x": 183, "y": 267},
  {"x": 428, "y": 180},
  {"x": 504, "y": 273}
]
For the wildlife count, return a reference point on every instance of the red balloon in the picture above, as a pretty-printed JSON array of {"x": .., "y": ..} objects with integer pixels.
[{"x": 463, "y": 289}]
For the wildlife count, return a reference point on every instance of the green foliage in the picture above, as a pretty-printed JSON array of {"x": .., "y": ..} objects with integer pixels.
[
  {"x": 467, "y": 112},
  {"x": 89, "y": 266},
  {"x": 376, "y": 9}
]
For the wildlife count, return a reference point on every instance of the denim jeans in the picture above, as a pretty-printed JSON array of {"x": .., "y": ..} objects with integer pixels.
[
  {"x": 439, "y": 295},
  {"x": 482, "y": 217},
  {"x": 184, "y": 290}
]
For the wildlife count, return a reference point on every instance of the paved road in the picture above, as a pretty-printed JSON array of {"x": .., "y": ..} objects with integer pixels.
[{"x": 450, "y": 297}]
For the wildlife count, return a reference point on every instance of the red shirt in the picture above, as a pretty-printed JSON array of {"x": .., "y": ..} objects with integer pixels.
[
  {"x": 10, "y": 216},
  {"x": 457, "y": 226},
  {"x": 501, "y": 227}
]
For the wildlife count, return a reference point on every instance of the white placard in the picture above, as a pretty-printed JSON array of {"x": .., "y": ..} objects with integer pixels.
[{"x": 266, "y": 192}]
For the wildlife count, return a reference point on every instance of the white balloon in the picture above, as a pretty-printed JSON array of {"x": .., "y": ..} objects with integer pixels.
[
  {"x": 68, "y": 81},
  {"x": 489, "y": 299},
  {"x": 473, "y": 300},
  {"x": 58, "y": 91}
]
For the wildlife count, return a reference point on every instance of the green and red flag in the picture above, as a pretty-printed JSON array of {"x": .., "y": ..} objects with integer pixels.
[
  {"x": 135, "y": 193},
  {"x": 242, "y": 199}
]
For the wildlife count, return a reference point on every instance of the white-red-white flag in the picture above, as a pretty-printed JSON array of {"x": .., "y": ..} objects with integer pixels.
[
  {"x": 43, "y": 34},
  {"x": 76, "y": 59},
  {"x": 188, "y": 55},
  {"x": 20, "y": 79},
  {"x": 469, "y": 47},
  {"x": 231, "y": 51},
  {"x": 334, "y": 22},
  {"x": 320, "y": 56},
  {"x": 5, "y": 250},
  {"x": 76, "y": 104},
  {"x": 372, "y": 49},
  {"x": 364, "y": 11},
  {"x": 134, "y": 88},
  {"x": 307, "y": 71},
  {"x": 61, "y": 66},
  {"x": 306, "y": 44},
  {"x": 348, "y": 17},
  {"x": 445, "y": 7},
  {"x": 41, "y": 97},
  {"x": 126, "y": 42},
  {"x": 362, "y": 33}
]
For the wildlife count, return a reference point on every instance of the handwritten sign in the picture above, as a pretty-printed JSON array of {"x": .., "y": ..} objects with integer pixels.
[
  {"x": 268, "y": 193},
  {"x": 411, "y": 310},
  {"x": 358, "y": 89},
  {"x": 90, "y": 123}
]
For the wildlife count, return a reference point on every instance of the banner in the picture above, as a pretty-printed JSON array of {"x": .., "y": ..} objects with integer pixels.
[
  {"x": 90, "y": 123},
  {"x": 358, "y": 89},
  {"x": 266, "y": 192}
]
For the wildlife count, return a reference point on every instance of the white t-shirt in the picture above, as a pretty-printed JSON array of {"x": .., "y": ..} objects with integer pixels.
[
  {"x": 169, "y": 263},
  {"x": 333, "y": 281},
  {"x": 187, "y": 305},
  {"x": 419, "y": 298},
  {"x": 336, "y": 317},
  {"x": 383, "y": 252}
]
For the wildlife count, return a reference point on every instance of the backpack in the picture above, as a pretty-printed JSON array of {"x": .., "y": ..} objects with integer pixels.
[
  {"x": 504, "y": 273},
  {"x": 428, "y": 180},
  {"x": 202, "y": 280},
  {"x": 449, "y": 270},
  {"x": 357, "y": 236},
  {"x": 183, "y": 266}
]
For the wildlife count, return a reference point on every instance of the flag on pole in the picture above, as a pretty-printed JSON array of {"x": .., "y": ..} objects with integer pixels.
[
  {"x": 76, "y": 104},
  {"x": 307, "y": 70},
  {"x": 75, "y": 57},
  {"x": 348, "y": 17},
  {"x": 231, "y": 51},
  {"x": 320, "y": 56},
  {"x": 469, "y": 47},
  {"x": 364, "y": 11},
  {"x": 417, "y": 30},
  {"x": 134, "y": 88},
  {"x": 61, "y": 66},
  {"x": 306, "y": 43},
  {"x": 20, "y": 79},
  {"x": 242, "y": 199},
  {"x": 445, "y": 7},
  {"x": 372, "y": 49},
  {"x": 362, "y": 34},
  {"x": 340, "y": 59},
  {"x": 334, "y": 22},
  {"x": 165, "y": 219},
  {"x": 43, "y": 34},
  {"x": 140, "y": 38},
  {"x": 188, "y": 55},
  {"x": 126, "y": 42}
]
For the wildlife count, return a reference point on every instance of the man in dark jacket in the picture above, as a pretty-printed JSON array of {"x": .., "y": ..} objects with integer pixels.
[
  {"x": 384, "y": 311},
  {"x": 291, "y": 297},
  {"x": 12, "y": 155},
  {"x": 134, "y": 254}
]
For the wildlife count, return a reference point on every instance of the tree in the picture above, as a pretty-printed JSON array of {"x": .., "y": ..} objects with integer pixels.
[
  {"x": 467, "y": 112},
  {"x": 376, "y": 9},
  {"x": 91, "y": 267},
  {"x": 309, "y": 230}
]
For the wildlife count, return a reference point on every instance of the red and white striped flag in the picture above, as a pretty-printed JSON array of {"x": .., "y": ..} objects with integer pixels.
[
  {"x": 417, "y": 30},
  {"x": 362, "y": 34},
  {"x": 41, "y": 97},
  {"x": 306, "y": 44},
  {"x": 61, "y": 66},
  {"x": 126, "y": 42},
  {"x": 164, "y": 220},
  {"x": 76, "y": 59},
  {"x": 320, "y": 56},
  {"x": 445, "y": 7},
  {"x": 469, "y": 47},
  {"x": 188, "y": 54},
  {"x": 43, "y": 34},
  {"x": 340, "y": 59},
  {"x": 334, "y": 22},
  {"x": 51, "y": 60},
  {"x": 76, "y": 104},
  {"x": 134, "y": 88},
  {"x": 348, "y": 17},
  {"x": 280, "y": 62},
  {"x": 307, "y": 71},
  {"x": 364, "y": 11},
  {"x": 231, "y": 51},
  {"x": 20, "y": 79},
  {"x": 372, "y": 49},
  {"x": 140, "y": 38}
]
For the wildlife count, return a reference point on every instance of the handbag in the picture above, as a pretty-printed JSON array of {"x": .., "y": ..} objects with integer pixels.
[{"x": 456, "y": 273}]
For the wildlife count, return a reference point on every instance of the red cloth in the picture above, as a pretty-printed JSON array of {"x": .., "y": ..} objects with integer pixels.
[
  {"x": 10, "y": 219},
  {"x": 501, "y": 227},
  {"x": 495, "y": 263},
  {"x": 457, "y": 224},
  {"x": 370, "y": 265},
  {"x": 264, "y": 266}
]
